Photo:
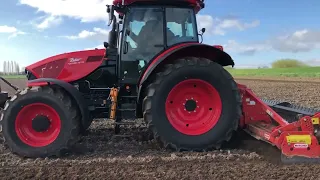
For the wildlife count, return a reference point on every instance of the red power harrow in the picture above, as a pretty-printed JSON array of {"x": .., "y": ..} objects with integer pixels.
[{"x": 296, "y": 135}]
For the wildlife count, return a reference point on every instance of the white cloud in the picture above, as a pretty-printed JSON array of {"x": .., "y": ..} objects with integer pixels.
[
  {"x": 298, "y": 41},
  {"x": 96, "y": 34},
  {"x": 48, "y": 22},
  {"x": 12, "y": 31},
  {"x": 7, "y": 29},
  {"x": 85, "y": 10},
  {"x": 219, "y": 26},
  {"x": 245, "y": 49},
  {"x": 97, "y": 47},
  {"x": 13, "y": 35},
  {"x": 313, "y": 62}
]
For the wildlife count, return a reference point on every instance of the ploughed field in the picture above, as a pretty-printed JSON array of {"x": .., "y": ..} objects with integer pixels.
[{"x": 103, "y": 155}]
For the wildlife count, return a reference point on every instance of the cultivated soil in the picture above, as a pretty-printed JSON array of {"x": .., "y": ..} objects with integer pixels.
[{"x": 101, "y": 155}]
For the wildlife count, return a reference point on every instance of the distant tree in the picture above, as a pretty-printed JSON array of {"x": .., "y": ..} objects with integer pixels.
[
  {"x": 7, "y": 67},
  {"x": 12, "y": 67},
  {"x": 17, "y": 68},
  {"x": 21, "y": 71},
  {"x": 4, "y": 67},
  {"x": 287, "y": 63},
  {"x": 263, "y": 67}
]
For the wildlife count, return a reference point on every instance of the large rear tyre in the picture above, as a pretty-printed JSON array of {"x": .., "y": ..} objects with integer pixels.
[
  {"x": 40, "y": 122},
  {"x": 193, "y": 104}
]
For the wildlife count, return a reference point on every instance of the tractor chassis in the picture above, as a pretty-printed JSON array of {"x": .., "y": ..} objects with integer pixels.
[{"x": 292, "y": 129}]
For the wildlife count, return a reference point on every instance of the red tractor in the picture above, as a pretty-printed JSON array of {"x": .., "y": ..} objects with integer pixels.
[{"x": 154, "y": 67}]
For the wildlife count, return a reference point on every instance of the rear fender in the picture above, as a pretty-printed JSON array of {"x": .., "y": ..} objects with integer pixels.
[
  {"x": 178, "y": 51},
  {"x": 71, "y": 90},
  {"x": 184, "y": 50}
]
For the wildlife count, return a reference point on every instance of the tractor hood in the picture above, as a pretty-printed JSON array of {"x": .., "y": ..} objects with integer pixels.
[{"x": 68, "y": 66}]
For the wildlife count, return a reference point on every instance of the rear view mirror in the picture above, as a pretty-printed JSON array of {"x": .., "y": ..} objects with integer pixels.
[{"x": 203, "y": 30}]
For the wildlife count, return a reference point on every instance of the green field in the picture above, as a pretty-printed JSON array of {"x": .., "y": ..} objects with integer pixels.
[
  {"x": 13, "y": 76},
  {"x": 272, "y": 72},
  {"x": 276, "y": 72}
]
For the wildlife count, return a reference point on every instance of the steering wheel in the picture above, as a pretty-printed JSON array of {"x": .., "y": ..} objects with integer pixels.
[{"x": 175, "y": 39}]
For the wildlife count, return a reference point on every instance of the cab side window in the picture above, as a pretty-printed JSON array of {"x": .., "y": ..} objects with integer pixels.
[{"x": 181, "y": 26}]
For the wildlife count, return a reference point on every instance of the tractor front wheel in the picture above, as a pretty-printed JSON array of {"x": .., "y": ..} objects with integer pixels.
[
  {"x": 40, "y": 122},
  {"x": 192, "y": 104}
]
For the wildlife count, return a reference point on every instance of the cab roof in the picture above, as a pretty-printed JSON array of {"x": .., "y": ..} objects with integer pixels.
[{"x": 197, "y": 4}]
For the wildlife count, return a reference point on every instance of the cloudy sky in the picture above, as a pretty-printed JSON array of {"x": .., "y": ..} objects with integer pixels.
[{"x": 254, "y": 32}]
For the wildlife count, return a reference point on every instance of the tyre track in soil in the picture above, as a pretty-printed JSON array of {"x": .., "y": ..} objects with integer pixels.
[{"x": 101, "y": 155}]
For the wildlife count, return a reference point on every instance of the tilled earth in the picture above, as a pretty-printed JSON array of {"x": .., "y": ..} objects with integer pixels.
[{"x": 101, "y": 155}]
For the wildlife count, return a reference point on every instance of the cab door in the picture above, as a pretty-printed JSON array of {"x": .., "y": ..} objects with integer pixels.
[{"x": 143, "y": 38}]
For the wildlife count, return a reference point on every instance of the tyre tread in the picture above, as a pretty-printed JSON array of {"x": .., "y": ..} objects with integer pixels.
[
  {"x": 70, "y": 107},
  {"x": 166, "y": 71}
]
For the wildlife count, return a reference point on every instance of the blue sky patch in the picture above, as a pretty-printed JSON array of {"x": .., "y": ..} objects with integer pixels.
[{"x": 253, "y": 32}]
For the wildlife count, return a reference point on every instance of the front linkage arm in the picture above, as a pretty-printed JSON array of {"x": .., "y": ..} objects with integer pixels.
[
  {"x": 4, "y": 96},
  {"x": 9, "y": 84}
]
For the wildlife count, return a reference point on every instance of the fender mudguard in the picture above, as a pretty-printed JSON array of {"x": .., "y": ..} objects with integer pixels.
[
  {"x": 73, "y": 92},
  {"x": 183, "y": 50},
  {"x": 187, "y": 49}
]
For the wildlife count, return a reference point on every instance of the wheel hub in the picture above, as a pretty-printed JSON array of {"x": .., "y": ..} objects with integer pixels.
[
  {"x": 193, "y": 107},
  {"x": 41, "y": 123},
  {"x": 190, "y": 105},
  {"x": 37, "y": 124}
]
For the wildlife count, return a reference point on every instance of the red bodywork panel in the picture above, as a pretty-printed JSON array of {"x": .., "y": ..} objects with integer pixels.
[
  {"x": 294, "y": 139},
  {"x": 218, "y": 47},
  {"x": 196, "y": 3},
  {"x": 67, "y": 67}
]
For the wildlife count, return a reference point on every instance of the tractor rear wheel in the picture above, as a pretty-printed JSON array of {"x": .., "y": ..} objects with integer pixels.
[
  {"x": 40, "y": 122},
  {"x": 193, "y": 104}
]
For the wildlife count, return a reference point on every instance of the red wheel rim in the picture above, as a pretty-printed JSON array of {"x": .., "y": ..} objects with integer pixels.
[
  {"x": 25, "y": 130},
  {"x": 193, "y": 107}
]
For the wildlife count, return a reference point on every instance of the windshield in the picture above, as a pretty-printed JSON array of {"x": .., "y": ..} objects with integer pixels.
[{"x": 141, "y": 26}]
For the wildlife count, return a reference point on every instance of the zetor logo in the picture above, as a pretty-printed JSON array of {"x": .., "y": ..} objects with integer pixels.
[{"x": 73, "y": 61}]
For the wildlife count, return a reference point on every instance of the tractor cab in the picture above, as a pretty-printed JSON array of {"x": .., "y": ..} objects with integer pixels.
[{"x": 145, "y": 29}]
